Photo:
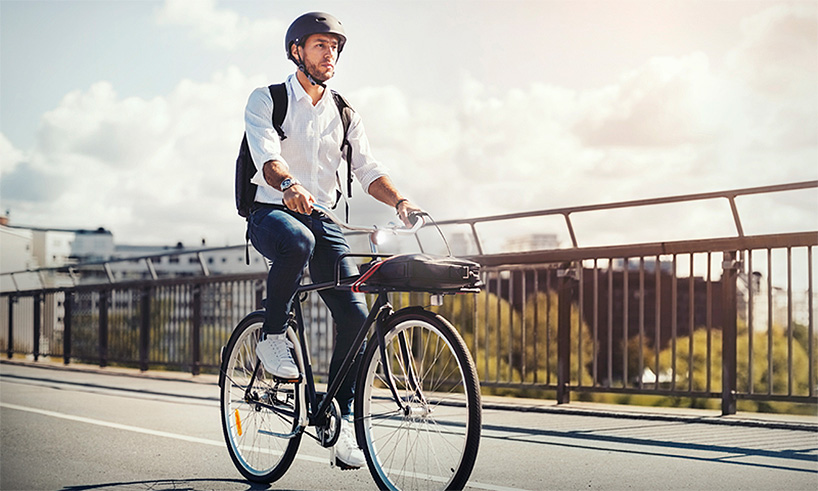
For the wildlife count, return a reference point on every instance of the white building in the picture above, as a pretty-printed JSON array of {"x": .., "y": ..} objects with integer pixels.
[
  {"x": 771, "y": 305},
  {"x": 17, "y": 251},
  {"x": 29, "y": 249}
]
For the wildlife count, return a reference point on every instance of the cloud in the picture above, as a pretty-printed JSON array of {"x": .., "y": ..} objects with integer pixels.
[
  {"x": 160, "y": 170},
  {"x": 24, "y": 180},
  {"x": 219, "y": 28},
  {"x": 778, "y": 54},
  {"x": 673, "y": 125},
  {"x": 99, "y": 125},
  {"x": 661, "y": 104},
  {"x": 9, "y": 155},
  {"x": 153, "y": 171}
]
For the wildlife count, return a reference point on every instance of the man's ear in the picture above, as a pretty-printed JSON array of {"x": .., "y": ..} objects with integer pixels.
[{"x": 294, "y": 51}]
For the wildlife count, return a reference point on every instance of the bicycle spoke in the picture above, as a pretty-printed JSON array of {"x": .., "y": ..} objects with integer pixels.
[
  {"x": 432, "y": 442},
  {"x": 259, "y": 416}
]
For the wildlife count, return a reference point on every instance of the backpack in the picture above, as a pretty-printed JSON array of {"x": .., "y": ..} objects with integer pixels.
[{"x": 245, "y": 169}]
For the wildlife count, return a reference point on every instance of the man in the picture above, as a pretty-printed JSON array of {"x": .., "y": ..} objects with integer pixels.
[{"x": 294, "y": 173}]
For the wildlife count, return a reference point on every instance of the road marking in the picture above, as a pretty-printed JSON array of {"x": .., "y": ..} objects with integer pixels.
[
  {"x": 191, "y": 439},
  {"x": 135, "y": 429}
]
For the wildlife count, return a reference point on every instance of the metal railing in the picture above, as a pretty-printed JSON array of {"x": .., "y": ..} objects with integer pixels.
[{"x": 725, "y": 319}]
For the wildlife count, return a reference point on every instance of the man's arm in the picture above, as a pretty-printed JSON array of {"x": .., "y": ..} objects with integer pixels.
[
  {"x": 296, "y": 197},
  {"x": 384, "y": 191}
]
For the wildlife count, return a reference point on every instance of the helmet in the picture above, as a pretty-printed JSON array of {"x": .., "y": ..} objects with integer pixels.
[{"x": 313, "y": 23}]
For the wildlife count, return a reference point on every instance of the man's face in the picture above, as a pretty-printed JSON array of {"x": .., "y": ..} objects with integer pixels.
[{"x": 319, "y": 54}]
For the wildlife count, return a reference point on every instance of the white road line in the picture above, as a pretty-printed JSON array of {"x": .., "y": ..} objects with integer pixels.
[
  {"x": 191, "y": 439},
  {"x": 135, "y": 429}
]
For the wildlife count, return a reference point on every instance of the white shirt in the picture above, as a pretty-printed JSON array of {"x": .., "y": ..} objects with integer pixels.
[{"x": 311, "y": 151}]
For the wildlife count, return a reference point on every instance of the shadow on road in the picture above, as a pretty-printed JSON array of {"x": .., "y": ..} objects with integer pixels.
[{"x": 174, "y": 484}]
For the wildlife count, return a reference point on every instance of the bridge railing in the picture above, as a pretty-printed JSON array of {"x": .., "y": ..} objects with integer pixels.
[{"x": 716, "y": 319}]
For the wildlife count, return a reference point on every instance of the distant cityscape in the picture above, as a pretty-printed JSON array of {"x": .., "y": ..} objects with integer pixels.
[{"x": 32, "y": 249}]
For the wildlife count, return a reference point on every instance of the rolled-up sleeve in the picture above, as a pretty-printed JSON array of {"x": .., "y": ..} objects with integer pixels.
[
  {"x": 262, "y": 138},
  {"x": 366, "y": 169}
]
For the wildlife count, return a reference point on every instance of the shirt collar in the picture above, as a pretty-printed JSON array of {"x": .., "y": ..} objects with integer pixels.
[{"x": 299, "y": 92}]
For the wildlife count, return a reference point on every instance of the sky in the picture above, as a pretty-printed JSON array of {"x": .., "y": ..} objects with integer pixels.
[{"x": 128, "y": 114}]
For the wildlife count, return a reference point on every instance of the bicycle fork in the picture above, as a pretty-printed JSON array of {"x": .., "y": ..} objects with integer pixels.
[{"x": 408, "y": 365}]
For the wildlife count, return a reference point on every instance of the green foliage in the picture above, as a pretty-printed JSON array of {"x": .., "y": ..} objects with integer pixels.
[
  {"x": 767, "y": 371},
  {"x": 509, "y": 347},
  {"x": 509, "y": 350}
]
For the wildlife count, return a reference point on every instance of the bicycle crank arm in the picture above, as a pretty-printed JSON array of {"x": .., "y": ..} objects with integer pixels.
[{"x": 285, "y": 436}]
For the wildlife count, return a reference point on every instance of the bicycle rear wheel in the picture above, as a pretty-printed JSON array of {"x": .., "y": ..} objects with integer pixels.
[
  {"x": 432, "y": 442},
  {"x": 260, "y": 417}
]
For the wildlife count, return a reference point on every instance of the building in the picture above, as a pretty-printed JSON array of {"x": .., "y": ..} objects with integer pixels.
[
  {"x": 29, "y": 248},
  {"x": 86, "y": 252},
  {"x": 532, "y": 242},
  {"x": 40, "y": 258},
  {"x": 17, "y": 251}
]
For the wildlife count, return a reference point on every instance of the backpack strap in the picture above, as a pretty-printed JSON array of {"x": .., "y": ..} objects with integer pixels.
[
  {"x": 346, "y": 119},
  {"x": 280, "y": 101}
]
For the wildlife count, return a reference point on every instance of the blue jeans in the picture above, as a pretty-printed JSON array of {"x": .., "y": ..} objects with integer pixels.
[{"x": 293, "y": 241}]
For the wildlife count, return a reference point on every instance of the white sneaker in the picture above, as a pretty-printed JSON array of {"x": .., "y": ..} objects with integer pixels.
[
  {"x": 274, "y": 353},
  {"x": 347, "y": 452}
]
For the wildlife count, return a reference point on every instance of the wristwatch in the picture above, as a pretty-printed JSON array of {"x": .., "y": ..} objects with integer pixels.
[{"x": 288, "y": 183}]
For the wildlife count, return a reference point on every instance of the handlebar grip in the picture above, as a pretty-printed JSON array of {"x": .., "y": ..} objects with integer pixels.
[{"x": 415, "y": 216}]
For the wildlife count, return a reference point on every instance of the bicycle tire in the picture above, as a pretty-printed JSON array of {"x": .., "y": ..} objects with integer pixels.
[
  {"x": 251, "y": 430},
  {"x": 433, "y": 444}
]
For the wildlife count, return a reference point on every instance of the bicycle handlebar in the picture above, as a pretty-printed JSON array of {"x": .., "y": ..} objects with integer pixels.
[{"x": 392, "y": 228}]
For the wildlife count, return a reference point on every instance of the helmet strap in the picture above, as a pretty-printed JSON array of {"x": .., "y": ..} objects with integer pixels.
[
  {"x": 304, "y": 70},
  {"x": 310, "y": 77}
]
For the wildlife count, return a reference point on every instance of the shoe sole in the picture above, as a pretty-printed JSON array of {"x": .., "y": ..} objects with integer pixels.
[{"x": 344, "y": 466}]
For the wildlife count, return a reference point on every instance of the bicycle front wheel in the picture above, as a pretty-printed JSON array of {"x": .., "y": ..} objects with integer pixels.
[
  {"x": 260, "y": 417},
  {"x": 429, "y": 440}
]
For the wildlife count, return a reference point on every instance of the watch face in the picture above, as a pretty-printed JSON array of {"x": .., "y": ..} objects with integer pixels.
[{"x": 286, "y": 183}]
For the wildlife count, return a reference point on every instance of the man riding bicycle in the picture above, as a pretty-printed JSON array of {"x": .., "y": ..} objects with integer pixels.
[{"x": 294, "y": 173}]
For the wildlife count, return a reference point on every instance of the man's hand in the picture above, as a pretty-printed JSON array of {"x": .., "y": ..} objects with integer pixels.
[
  {"x": 298, "y": 199},
  {"x": 405, "y": 208},
  {"x": 384, "y": 191}
]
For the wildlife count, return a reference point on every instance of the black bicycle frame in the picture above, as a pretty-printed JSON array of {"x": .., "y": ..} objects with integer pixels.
[{"x": 379, "y": 314}]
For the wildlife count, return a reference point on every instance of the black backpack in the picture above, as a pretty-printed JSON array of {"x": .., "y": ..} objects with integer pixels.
[{"x": 245, "y": 169}]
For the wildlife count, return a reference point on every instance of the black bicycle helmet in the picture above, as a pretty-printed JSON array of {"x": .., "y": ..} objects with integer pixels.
[{"x": 313, "y": 23}]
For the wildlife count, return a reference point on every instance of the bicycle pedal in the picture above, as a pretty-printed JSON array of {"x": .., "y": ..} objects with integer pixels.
[{"x": 287, "y": 380}]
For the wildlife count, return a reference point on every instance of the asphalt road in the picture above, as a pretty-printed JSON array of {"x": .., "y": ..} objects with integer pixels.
[{"x": 85, "y": 430}]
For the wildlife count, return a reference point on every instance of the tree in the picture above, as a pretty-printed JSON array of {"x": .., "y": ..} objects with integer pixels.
[{"x": 511, "y": 346}]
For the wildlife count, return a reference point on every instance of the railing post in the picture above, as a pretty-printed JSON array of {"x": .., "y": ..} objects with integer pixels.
[
  {"x": 10, "y": 347},
  {"x": 197, "y": 330},
  {"x": 37, "y": 327},
  {"x": 566, "y": 287},
  {"x": 730, "y": 266},
  {"x": 68, "y": 305},
  {"x": 145, "y": 328},
  {"x": 103, "y": 328}
]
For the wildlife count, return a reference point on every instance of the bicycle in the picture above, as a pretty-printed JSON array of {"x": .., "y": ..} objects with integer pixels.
[{"x": 417, "y": 406}]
